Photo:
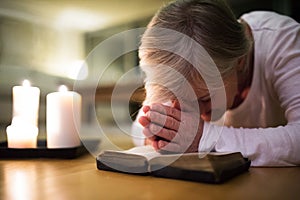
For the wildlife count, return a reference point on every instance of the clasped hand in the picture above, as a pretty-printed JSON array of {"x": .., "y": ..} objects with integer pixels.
[{"x": 168, "y": 128}]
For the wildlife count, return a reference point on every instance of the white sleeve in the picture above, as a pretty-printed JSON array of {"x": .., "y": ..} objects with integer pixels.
[
  {"x": 263, "y": 146},
  {"x": 137, "y": 135},
  {"x": 209, "y": 138}
]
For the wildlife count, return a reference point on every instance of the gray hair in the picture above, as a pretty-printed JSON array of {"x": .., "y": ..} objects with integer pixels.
[{"x": 209, "y": 23}]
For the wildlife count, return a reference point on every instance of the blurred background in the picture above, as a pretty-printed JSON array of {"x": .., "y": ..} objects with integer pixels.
[{"x": 48, "y": 41}]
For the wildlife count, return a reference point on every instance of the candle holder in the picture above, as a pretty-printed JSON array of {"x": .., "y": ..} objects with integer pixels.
[{"x": 41, "y": 150}]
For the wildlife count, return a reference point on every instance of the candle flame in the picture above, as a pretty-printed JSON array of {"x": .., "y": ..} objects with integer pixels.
[
  {"x": 26, "y": 83},
  {"x": 62, "y": 88}
]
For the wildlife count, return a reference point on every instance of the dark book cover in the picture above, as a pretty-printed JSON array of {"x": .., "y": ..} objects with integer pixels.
[{"x": 199, "y": 167}]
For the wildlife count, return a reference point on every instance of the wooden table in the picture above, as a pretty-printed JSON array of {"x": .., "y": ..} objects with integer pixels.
[{"x": 79, "y": 179}]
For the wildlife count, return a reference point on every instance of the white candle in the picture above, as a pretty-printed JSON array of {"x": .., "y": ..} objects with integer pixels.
[
  {"x": 63, "y": 118},
  {"x": 21, "y": 134},
  {"x": 23, "y": 131},
  {"x": 26, "y": 102}
]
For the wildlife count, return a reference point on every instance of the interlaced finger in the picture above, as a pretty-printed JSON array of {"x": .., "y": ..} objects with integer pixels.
[
  {"x": 166, "y": 110},
  {"x": 163, "y": 120},
  {"x": 162, "y": 132}
]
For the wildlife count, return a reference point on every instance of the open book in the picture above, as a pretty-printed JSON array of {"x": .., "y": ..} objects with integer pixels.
[{"x": 201, "y": 167}]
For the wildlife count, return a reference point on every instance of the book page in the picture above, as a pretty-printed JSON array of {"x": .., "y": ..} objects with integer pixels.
[{"x": 147, "y": 151}]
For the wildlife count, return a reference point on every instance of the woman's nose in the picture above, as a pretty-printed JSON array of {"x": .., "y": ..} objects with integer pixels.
[
  {"x": 176, "y": 104},
  {"x": 205, "y": 111}
]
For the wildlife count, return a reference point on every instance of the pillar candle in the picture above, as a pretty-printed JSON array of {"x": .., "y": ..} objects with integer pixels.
[
  {"x": 21, "y": 134},
  {"x": 26, "y": 102},
  {"x": 63, "y": 118},
  {"x": 23, "y": 131}
]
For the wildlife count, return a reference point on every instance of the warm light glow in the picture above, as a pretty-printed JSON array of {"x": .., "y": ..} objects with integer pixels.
[
  {"x": 26, "y": 83},
  {"x": 79, "y": 19},
  {"x": 62, "y": 88},
  {"x": 20, "y": 181},
  {"x": 78, "y": 70}
]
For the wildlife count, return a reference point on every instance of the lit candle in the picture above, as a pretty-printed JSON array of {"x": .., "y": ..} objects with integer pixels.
[
  {"x": 26, "y": 102},
  {"x": 21, "y": 134},
  {"x": 23, "y": 131},
  {"x": 63, "y": 118}
]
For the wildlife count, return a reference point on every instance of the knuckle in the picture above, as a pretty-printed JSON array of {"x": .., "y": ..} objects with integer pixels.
[
  {"x": 172, "y": 123},
  {"x": 150, "y": 115},
  {"x": 156, "y": 117},
  {"x": 158, "y": 107},
  {"x": 172, "y": 112},
  {"x": 154, "y": 128},
  {"x": 171, "y": 134}
]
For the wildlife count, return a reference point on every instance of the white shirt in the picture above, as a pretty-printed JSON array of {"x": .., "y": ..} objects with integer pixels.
[{"x": 271, "y": 111}]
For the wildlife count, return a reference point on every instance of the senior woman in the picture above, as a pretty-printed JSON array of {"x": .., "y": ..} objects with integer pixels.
[{"x": 254, "y": 109}]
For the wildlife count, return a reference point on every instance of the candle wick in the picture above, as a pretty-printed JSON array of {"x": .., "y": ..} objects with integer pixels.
[
  {"x": 63, "y": 88},
  {"x": 26, "y": 83}
]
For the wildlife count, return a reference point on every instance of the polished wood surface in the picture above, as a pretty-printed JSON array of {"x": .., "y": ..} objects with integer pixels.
[{"x": 79, "y": 179}]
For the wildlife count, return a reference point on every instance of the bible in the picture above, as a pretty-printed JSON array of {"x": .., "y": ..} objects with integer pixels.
[{"x": 213, "y": 167}]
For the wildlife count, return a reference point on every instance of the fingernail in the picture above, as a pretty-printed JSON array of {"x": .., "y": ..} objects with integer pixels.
[{"x": 146, "y": 109}]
